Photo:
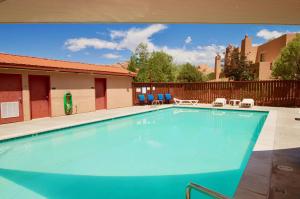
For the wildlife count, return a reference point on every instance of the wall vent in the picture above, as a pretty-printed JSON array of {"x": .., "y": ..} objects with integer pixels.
[{"x": 9, "y": 109}]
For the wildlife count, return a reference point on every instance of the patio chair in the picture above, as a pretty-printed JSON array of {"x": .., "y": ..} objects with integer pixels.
[
  {"x": 141, "y": 99},
  {"x": 168, "y": 97},
  {"x": 185, "y": 102},
  {"x": 160, "y": 98},
  {"x": 219, "y": 102},
  {"x": 150, "y": 98},
  {"x": 247, "y": 103}
]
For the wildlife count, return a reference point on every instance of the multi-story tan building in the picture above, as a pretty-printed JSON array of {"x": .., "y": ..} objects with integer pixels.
[{"x": 262, "y": 57}]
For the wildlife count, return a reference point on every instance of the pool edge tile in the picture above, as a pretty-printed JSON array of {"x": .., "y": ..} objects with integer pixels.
[{"x": 262, "y": 159}]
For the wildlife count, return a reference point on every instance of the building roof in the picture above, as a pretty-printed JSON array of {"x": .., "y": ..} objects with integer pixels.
[
  {"x": 124, "y": 64},
  {"x": 26, "y": 62},
  {"x": 287, "y": 37}
]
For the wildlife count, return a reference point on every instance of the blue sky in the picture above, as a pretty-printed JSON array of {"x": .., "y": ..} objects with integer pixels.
[{"x": 111, "y": 43}]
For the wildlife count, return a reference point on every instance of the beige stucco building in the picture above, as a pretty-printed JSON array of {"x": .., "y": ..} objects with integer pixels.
[
  {"x": 35, "y": 87},
  {"x": 205, "y": 69},
  {"x": 262, "y": 56}
]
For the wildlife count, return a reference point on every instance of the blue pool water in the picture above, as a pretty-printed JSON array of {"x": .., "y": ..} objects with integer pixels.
[{"x": 146, "y": 156}]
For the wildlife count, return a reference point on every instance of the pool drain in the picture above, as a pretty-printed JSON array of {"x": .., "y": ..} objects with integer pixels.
[{"x": 285, "y": 168}]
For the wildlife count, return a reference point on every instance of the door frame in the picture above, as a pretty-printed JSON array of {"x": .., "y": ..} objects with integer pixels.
[
  {"x": 49, "y": 95},
  {"x": 105, "y": 95}
]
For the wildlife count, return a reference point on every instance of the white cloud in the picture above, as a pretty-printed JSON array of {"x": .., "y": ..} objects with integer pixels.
[
  {"x": 111, "y": 56},
  {"x": 131, "y": 38},
  {"x": 117, "y": 34},
  {"x": 126, "y": 39},
  {"x": 201, "y": 55},
  {"x": 255, "y": 44},
  {"x": 78, "y": 44},
  {"x": 188, "y": 40},
  {"x": 267, "y": 34}
]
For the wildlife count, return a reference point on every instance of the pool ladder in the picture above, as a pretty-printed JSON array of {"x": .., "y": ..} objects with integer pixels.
[{"x": 203, "y": 190}]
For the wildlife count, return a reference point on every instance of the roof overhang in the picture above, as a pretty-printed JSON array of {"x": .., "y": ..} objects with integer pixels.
[
  {"x": 151, "y": 11},
  {"x": 51, "y": 69}
]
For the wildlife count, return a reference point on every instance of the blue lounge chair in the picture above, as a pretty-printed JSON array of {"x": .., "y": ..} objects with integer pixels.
[
  {"x": 168, "y": 97},
  {"x": 141, "y": 99},
  {"x": 160, "y": 97},
  {"x": 150, "y": 98}
]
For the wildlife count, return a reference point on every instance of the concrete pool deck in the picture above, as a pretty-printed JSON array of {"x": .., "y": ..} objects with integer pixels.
[
  {"x": 20, "y": 129},
  {"x": 280, "y": 132}
]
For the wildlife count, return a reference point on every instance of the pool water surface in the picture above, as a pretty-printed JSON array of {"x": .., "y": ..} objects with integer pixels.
[{"x": 149, "y": 155}]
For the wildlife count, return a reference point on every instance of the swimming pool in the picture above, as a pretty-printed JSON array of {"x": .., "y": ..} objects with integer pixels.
[{"x": 149, "y": 155}]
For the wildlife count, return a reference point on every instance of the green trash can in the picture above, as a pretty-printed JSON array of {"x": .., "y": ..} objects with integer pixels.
[{"x": 68, "y": 104}]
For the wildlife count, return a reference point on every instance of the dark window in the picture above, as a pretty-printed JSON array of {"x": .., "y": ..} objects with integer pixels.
[
  {"x": 271, "y": 65},
  {"x": 262, "y": 57}
]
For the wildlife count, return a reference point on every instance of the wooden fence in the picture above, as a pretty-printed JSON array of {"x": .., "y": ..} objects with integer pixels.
[{"x": 285, "y": 93}]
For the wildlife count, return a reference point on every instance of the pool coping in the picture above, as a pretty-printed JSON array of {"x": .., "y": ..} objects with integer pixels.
[
  {"x": 255, "y": 181},
  {"x": 4, "y": 138}
]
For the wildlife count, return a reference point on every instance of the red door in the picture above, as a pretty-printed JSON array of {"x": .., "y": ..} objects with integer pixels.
[
  {"x": 100, "y": 89},
  {"x": 11, "y": 91},
  {"x": 39, "y": 88}
]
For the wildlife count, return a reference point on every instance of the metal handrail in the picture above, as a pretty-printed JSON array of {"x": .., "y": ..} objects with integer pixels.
[{"x": 202, "y": 189}]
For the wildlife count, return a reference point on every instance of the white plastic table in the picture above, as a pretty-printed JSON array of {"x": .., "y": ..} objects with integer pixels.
[{"x": 234, "y": 102}]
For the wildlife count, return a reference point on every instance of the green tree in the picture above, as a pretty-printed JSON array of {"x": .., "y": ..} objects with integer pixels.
[
  {"x": 151, "y": 67},
  {"x": 210, "y": 76},
  {"x": 177, "y": 69},
  {"x": 241, "y": 70},
  {"x": 132, "y": 66},
  {"x": 139, "y": 62},
  {"x": 160, "y": 67},
  {"x": 287, "y": 66},
  {"x": 189, "y": 73},
  {"x": 142, "y": 54}
]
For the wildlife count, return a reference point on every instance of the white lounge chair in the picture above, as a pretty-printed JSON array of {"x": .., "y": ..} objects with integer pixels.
[
  {"x": 185, "y": 102},
  {"x": 219, "y": 102},
  {"x": 247, "y": 102}
]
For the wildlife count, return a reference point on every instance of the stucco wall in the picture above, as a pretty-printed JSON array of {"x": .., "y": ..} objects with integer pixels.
[
  {"x": 271, "y": 51},
  {"x": 119, "y": 92},
  {"x": 82, "y": 87},
  {"x": 272, "y": 48},
  {"x": 248, "y": 50},
  {"x": 26, "y": 97},
  {"x": 265, "y": 70}
]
